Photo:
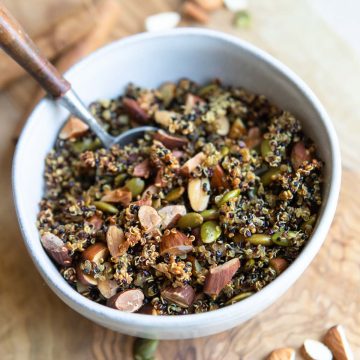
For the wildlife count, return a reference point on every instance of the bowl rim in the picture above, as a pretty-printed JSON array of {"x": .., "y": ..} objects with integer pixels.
[{"x": 277, "y": 286}]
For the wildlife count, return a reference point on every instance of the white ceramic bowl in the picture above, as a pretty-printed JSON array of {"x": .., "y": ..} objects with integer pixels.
[{"x": 149, "y": 60}]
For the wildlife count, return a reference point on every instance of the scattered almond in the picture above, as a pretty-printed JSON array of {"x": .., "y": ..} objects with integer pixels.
[
  {"x": 190, "y": 165},
  {"x": 237, "y": 129},
  {"x": 191, "y": 102},
  {"x": 210, "y": 5},
  {"x": 149, "y": 218},
  {"x": 160, "y": 181},
  {"x": 164, "y": 117},
  {"x": 175, "y": 242},
  {"x": 299, "y": 154},
  {"x": 195, "y": 12},
  {"x": 56, "y": 248},
  {"x": 220, "y": 276},
  {"x": 96, "y": 221},
  {"x": 122, "y": 196},
  {"x": 170, "y": 141},
  {"x": 336, "y": 341},
  {"x": 218, "y": 180},
  {"x": 198, "y": 193},
  {"x": 170, "y": 215},
  {"x": 73, "y": 128},
  {"x": 222, "y": 125},
  {"x": 96, "y": 252},
  {"x": 282, "y": 354},
  {"x": 134, "y": 110},
  {"x": 114, "y": 238},
  {"x": 162, "y": 21},
  {"x": 278, "y": 264},
  {"x": 254, "y": 137},
  {"x": 107, "y": 288},
  {"x": 85, "y": 279},
  {"x": 182, "y": 296},
  {"x": 128, "y": 301},
  {"x": 315, "y": 350},
  {"x": 142, "y": 169}
]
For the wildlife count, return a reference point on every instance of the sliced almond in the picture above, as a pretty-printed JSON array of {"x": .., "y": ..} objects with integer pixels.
[
  {"x": 195, "y": 12},
  {"x": 299, "y": 154},
  {"x": 315, "y": 350},
  {"x": 237, "y": 129},
  {"x": 149, "y": 218},
  {"x": 96, "y": 221},
  {"x": 170, "y": 215},
  {"x": 254, "y": 137},
  {"x": 164, "y": 117},
  {"x": 96, "y": 252},
  {"x": 178, "y": 154},
  {"x": 198, "y": 193},
  {"x": 175, "y": 242},
  {"x": 282, "y": 354},
  {"x": 114, "y": 238},
  {"x": 73, "y": 128},
  {"x": 170, "y": 141},
  {"x": 122, "y": 196},
  {"x": 134, "y": 110},
  {"x": 56, "y": 248},
  {"x": 218, "y": 180},
  {"x": 236, "y": 5},
  {"x": 107, "y": 288},
  {"x": 128, "y": 301},
  {"x": 336, "y": 341},
  {"x": 85, "y": 279},
  {"x": 192, "y": 101},
  {"x": 210, "y": 5},
  {"x": 278, "y": 264},
  {"x": 219, "y": 276},
  {"x": 190, "y": 165},
  {"x": 182, "y": 296},
  {"x": 222, "y": 125},
  {"x": 162, "y": 21},
  {"x": 142, "y": 169}
]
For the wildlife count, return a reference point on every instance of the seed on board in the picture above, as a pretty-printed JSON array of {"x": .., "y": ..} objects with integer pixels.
[
  {"x": 282, "y": 354},
  {"x": 210, "y": 232},
  {"x": 144, "y": 349},
  {"x": 335, "y": 339},
  {"x": 199, "y": 199},
  {"x": 190, "y": 220},
  {"x": 313, "y": 350}
]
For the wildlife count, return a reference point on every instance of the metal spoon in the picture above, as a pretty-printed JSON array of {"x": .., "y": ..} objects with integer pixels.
[{"x": 18, "y": 45}]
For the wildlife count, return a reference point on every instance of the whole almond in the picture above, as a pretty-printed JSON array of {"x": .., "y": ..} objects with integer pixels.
[
  {"x": 133, "y": 109},
  {"x": 149, "y": 218},
  {"x": 96, "y": 252},
  {"x": 85, "y": 279},
  {"x": 219, "y": 276},
  {"x": 254, "y": 137},
  {"x": 73, "y": 128},
  {"x": 336, "y": 341},
  {"x": 96, "y": 221},
  {"x": 114, "y": 238},
  {"x": 107, "y": 288},
  {"x": 191, "y": 164},
  {"x": 170, "y": 215},
  {"x": 122, "y": 196},
  {"x": 128, "y": 301},
  {"x": 195, "y": 12},
  {"x": 315, "y": 350},
  {"x": 175, "y": 242},
  {"x": 278, "y": 264},
  {"x": 56, "y": 248},
  {"x": 164, "y": 117},
  {"x": 192, "y": 101},
  {"x": 170, "y": 141},
  {"x": 198, "y": 193},
  {"x": 282, "y": 354},
  {"x": 218, "y": 180},
  {"x": 182, "y": 296},
  {"x": 299, "y": 154}
]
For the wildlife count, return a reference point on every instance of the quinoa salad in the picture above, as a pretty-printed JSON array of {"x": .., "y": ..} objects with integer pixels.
[{"x": 198, "y": 215}]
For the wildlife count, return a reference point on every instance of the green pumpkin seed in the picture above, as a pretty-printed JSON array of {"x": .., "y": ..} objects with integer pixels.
[
  {"x": 239, "y": 297},
  {"x": 265, "y": 148},
  {"x": 270, "y": 176},
  {"x": 175, "y": 194},
  {"x": 232, "y": 194},
  {"x": 190, "y": 220},
  {"x": 224, "y": 151},
  {"x": 278, "y": 239},
  {"x": 84, "y": 145},
  {"x": 106, "y": 207},
  {"x": 210, "y": 232},
  {"x": 144, "y": 349},
  {"x": 119, "y": 179},
  {"x": 210, "y": 214},
  {"x": 135, "y": 185},
  {"x": 260, "y": 239}
]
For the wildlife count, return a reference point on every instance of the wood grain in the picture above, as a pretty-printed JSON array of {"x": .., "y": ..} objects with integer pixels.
[{"x": 35, "y": 324}]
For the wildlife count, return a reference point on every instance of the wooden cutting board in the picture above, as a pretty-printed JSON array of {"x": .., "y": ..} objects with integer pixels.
[{"x": 35, "y": 324}]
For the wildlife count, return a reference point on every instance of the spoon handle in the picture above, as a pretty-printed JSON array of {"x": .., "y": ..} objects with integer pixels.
[{"x": 15, "y": 41}]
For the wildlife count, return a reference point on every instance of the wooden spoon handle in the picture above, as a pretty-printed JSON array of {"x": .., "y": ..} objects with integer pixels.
[{"x": 18, "y": 45}]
